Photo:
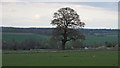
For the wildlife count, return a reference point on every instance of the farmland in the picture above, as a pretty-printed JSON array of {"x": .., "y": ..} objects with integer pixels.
[
  {"x": 60, "y": 58},
  {"x": 93, "y": 37},
  {"x": 49, "y": 55},
  {"x": 19, "y": 37},
  {"x": 90, "y": 39}
]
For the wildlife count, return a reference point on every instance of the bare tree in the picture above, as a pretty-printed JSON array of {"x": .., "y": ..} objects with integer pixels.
[{"x": 67, "y": 20}]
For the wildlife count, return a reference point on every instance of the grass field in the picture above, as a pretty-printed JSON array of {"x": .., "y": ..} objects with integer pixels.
[
  {"x": 19, "y": 37},
  {"x": 91, "y": 40},
  {"x": 60, "y": 58}
]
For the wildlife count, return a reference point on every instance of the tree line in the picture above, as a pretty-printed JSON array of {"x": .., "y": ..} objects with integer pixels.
[
  {"x": 28, "y": 44},
  {"x": 48, "y": 31}
]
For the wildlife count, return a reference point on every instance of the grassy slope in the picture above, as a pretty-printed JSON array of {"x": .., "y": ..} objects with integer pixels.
[
  {"x": 99, "y": 40},
  {"x": 19, "y": 37},
  {"x": 90, "y": 39},
  {"x": 52, "y": 58}
]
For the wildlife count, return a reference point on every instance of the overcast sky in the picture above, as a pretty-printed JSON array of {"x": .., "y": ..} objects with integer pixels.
[{"x": 37, "y": 14}]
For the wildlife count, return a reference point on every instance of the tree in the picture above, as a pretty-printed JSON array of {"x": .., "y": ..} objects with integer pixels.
[
  {"x": 30, "y": 44},
  {"x": 77, "y": 44},
  {"x": 67, "y": 20}
]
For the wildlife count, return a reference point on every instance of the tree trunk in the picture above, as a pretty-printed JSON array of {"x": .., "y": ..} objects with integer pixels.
[
  {"x": 65, "y": 39},
  {"x": 63, "y": 45}
]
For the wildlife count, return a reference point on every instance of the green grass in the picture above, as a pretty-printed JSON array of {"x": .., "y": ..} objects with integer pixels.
[
  {"x": 19, "y": 37},
  {"x": 100, "y": 40},
  {"x": 91, "y": 40},
  {"x": 56, "y": 58}
]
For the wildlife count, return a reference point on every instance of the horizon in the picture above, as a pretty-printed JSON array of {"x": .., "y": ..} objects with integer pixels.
[{"x": 52, "y": 27}]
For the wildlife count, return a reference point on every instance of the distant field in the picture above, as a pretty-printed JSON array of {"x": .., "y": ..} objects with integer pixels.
[
  {"x": 100, "y": 40},
  {"x": 60, "y": 58},
  {"x": 90, "y": 39},
  {"x": 19, "y": 37}
]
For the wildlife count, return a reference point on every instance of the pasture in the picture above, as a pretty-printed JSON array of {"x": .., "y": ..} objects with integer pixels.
[
  {"x": 91, "y": 40},
  {"x": 60, "y": 58}
]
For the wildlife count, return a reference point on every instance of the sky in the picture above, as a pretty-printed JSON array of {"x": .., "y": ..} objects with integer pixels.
[
  {"x": 39, "y": 14},
  {"x": 60, "y": 0}
]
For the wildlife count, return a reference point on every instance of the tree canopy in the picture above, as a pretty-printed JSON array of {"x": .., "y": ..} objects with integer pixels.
[{"x": 67, "y": 20}]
